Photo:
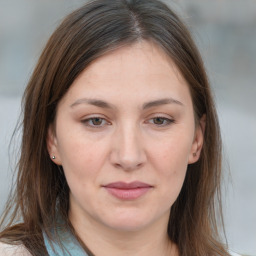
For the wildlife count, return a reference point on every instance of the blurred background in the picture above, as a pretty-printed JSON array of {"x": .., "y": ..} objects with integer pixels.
[{"x": 225, "y": 31}]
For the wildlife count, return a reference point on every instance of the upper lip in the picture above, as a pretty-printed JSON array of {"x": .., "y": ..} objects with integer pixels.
[{"x": 125, "y": 185}]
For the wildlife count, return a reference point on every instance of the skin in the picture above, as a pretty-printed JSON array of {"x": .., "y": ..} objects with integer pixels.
[{"x": 133, "y": 137}]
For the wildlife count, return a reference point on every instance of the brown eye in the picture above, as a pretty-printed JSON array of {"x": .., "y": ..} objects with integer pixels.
[
  {"x": 161, "y": 121},
  {"x": 96, "y": 121}
]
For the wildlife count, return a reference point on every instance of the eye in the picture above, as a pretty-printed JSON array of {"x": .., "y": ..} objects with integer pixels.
[
  {"x": 161, "y": 121},
  {"x": 95, "y": 122}
]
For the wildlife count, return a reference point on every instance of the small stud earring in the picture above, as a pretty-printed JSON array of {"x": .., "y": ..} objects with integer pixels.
[
  {"x": 194, "y": 154},
  {"x": 53, "y": 157}
]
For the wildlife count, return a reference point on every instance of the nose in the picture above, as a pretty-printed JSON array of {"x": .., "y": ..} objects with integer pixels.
[{"x": 127, "y": 151}]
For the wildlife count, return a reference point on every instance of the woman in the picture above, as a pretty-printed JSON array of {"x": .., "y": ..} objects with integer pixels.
[{"x": 121, "y": 151}]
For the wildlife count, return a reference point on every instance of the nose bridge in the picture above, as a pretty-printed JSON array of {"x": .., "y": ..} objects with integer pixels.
[{"x": 128, "y": 151}]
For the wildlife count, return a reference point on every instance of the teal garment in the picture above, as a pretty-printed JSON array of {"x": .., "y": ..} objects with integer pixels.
[
  {"x": 69, "y": 243},
  {"x": 72, "y": 247}
]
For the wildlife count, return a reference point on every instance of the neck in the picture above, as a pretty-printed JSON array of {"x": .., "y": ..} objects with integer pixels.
[{"x": 102, "y": 240}]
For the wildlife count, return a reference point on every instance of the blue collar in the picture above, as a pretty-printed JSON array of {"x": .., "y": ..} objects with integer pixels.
[{"x": 64, "y": 245}]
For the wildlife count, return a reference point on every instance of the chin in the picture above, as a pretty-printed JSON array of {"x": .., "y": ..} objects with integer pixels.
[{"x": 128, "y": 222}]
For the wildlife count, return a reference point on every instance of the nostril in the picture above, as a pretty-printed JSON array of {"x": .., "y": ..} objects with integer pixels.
[{"x": 128, "y": 166}]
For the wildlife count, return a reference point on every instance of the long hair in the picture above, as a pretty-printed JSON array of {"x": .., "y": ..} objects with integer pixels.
[{"x": 96, "y": 28}]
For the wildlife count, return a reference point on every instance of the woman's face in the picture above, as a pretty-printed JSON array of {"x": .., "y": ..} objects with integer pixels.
[{"x": 124, "y": 134}]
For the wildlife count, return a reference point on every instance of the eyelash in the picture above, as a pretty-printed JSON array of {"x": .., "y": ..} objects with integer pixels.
[
  {"x": 167, "y": 121},
  {"x": 89, "y": 121}
]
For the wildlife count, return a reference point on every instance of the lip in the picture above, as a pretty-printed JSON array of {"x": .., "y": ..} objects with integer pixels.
[{"x": 128, "y": 191}]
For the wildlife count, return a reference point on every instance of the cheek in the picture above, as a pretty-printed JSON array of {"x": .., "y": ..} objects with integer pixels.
[
  {"x": 173, "y": 152},
  {"x": 81, "y": 159},
  {"x": 172, "y": 174},
  {"x": 82, "y": 167},
  {"x": 173, "y": 165},
  {"x": 170, "y": 160}
]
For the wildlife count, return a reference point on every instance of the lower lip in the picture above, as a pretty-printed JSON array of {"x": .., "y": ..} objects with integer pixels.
[{"x": 128, "y": 194}]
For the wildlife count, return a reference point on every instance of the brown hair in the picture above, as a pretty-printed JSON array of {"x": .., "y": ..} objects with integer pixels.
[{"x": 86, "y": 34}]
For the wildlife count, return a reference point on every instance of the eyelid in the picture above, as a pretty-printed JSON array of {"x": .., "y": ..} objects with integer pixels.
[
  {"x": 87, "y": 119},
  {"x": 160, "y": 115},
  {"x": 169, "y": 120}
]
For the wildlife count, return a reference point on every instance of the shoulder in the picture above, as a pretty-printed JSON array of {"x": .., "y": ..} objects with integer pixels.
[
  {"x": 11, "y": 250},
  {"x": 234, "y": 254}
]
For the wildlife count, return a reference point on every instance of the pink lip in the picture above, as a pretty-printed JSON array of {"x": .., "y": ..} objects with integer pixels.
[{"x": 127, "y": 191}]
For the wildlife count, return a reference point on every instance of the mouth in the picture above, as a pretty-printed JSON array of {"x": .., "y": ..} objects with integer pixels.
[{"x": 128, "y": 191}]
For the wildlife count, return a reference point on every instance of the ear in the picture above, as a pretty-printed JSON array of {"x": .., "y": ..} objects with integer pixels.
[
  {"x": 52, "y": 146},
  {"x": 198, "y": 141}
]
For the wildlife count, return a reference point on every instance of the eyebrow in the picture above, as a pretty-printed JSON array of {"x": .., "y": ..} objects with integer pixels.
[
  {"x": 160, "y": 102},
  {"x": 104, "y": 104},
  {"x": 94, "y": 102}
]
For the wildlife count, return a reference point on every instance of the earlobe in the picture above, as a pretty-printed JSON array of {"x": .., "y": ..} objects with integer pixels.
[
  {"x": 52, "y": 146},
  {"x": 198, "y": 141}
]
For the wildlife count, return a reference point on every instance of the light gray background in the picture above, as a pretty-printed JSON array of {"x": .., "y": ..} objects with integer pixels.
[{"x": 225, "y": 31}]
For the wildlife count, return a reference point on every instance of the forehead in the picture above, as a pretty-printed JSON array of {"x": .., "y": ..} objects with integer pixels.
[
  {"x": 141, "y": 69},
  {"x": 141, "y": 58}
]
